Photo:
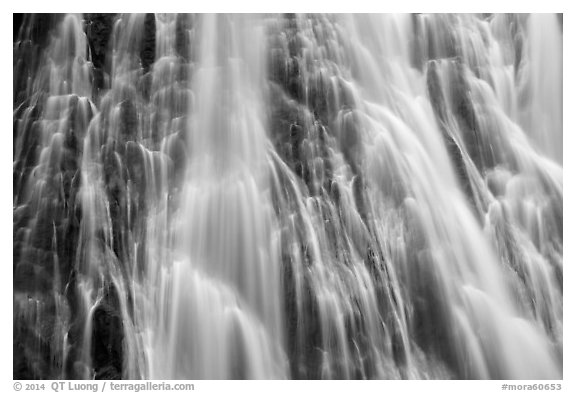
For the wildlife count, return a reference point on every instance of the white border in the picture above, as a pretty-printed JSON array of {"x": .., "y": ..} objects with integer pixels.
[{"x": 6, "y": 294}]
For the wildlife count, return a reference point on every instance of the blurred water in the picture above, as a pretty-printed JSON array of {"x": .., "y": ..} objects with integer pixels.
[{"x": 295, "y": 196}]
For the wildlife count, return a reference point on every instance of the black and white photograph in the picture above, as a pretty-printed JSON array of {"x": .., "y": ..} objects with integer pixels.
[{"x": 302, "y": 196}]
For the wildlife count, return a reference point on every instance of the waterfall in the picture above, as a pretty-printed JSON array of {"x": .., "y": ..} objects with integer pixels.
[{"x": 288, "y": 196}]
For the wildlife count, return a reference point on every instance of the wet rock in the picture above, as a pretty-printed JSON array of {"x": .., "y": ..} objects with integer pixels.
[
  {"x": 297, "y": 136},
  {"x": 148, "y": 52},
  {"x": 99, "y": 31},
  {"x": 285, "y": 114},
  {"x": 303, "y": 330},
  {"x": 418, "y": 45},
  {"x": 441, "y": 39},
  {"x": 32, "y": 33},
  {"x": 30, "y": 275},
  {"x": 318, "y": 96},
  {"x": 351, "y": 139},
  {"x": 136, "y": 165},
  {"x": 430, "y": 327},
  {"x": 100, "y": 82},
  {"x": 128, "y": 127},
  {"x": 294, "y": 84},
  {"x": 21, "y": 369},
  {"x": 435, "y": 92},
  {"x": 359, "y": 191},
  {"x": 43, "y": 225},
  {"x": 107, "y": 339},
  {"x": 183, "y": 26},
  {"x": 36, "y": 27},
  {"x": 440, "y": 107},
  {"x": 145, "y": 85},
  {"x": 21, "y": 216},
  {"x": 177, "y": 151},
  {"x": 30, "y": 144},
  {"x": 114, "y": 176},
  {"x": 465, "y": 112},
  {"x": 108, "y": 373}
]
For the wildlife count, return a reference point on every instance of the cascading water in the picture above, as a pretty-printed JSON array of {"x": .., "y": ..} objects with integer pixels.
[{"x": 291, "y": 196}]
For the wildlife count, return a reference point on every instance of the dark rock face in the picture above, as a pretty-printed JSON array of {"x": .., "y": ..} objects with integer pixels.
[
  {"x": 99, "y": 31},
  {"x": 32, "y": 33},
  {"x": 35, "y": 27},
  {"x": 148, "y": 52},
  {"x": 106, "y": 342},
  {"x": 47, "y": 218},
  {"x": 17, "y": 20},
  {"x": 51, "y": 245},
  {"x": 128, "y": 128}
]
